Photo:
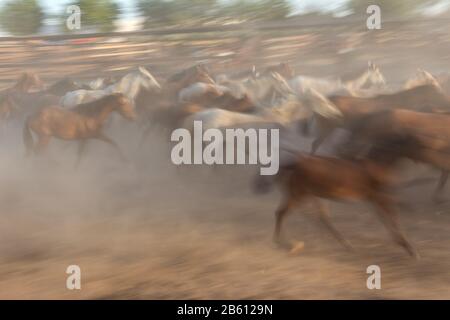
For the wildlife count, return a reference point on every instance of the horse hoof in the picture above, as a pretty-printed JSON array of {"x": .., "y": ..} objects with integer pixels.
[{"x": 296, "y": 247}]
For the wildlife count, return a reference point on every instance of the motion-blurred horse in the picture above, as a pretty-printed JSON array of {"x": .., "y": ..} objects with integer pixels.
[
  {"x": 130, "y": 85},
  {"x": 83, "y": 122},
  {"x": 372, "y": 76},
  {"x": 425, "y": 98},
  {"x": 371, "y": 179}
]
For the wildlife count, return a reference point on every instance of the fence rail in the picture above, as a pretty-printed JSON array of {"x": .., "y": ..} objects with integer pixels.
[{"x": 312, "y": 48}]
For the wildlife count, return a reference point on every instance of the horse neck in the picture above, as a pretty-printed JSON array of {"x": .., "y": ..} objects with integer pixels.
[
  {"x": 103, "y": 111},
  {"x": 21, "y": 85},
  {"x": 357, "y": 83},
  {"x": 127, "y": 86}
]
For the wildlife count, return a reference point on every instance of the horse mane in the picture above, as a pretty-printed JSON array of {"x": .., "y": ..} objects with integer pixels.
[
  {"x": 182, "y": 74},
  {"x": 95, "y": 107}
]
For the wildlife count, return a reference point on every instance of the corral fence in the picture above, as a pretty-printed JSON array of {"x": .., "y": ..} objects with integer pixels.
[{"x": 320, "y": 48}]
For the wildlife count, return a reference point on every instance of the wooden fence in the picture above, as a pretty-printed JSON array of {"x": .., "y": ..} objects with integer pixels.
[{"x": 324, "y": 48}]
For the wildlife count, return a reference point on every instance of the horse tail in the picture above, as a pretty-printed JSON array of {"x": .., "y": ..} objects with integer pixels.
[{"x": 27, "y": 138}]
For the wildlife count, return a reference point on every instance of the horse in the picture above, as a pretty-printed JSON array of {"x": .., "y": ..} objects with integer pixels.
[
  {"x": 238, "y": 76},
  {"x": 63, "y": 86},
  {"x": 26, "y": 103},
  {"x": 184, "y": 78},
  {"x": 287, "y": 112},
  {"x": 83, "y": 122},
  {"x": 284, "y": 69},
  {"x": 26, "y": 82},
  {"x": 201, "y": 92},
  {"x": 130, "y": 85},
  {"x": 263, "y": 91},
  {"x": 431, "y": 132},
  {"x": 307, "y": 177},
  {"x": 101, "y": 83},
  {"x": 421, "y": 77},
  {"x": 424, "y": 98},
  {"x": 372, "y": 75}
]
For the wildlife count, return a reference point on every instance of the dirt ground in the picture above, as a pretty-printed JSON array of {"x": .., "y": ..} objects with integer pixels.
[{"x": 148, "y": 230}]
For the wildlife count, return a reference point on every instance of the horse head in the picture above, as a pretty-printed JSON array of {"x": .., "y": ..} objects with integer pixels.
[
  {"x": 422, "y": 77},
  {"x": 29, "y": 80},
  {"x": 148, "y": 81},
  {"x": 321, "y": 105},
  {"x": 375, "y": 77},
  {"x": 280, "y": 84}
]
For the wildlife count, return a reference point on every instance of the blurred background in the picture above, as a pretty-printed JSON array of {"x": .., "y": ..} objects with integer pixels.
[
  {"x": 162, "y": 34},
  {"x": 152, "y": 232}
]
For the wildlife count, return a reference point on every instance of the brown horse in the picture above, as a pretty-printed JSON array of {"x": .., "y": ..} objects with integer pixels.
[
  {"x": 315, "y": 177},
  {"x": 425, "y": 98},
  {"x": 24, "y": 84},
  {"x": 82, "y": 122},
  {"x": 183, "y": 79},
  {"x": 430, "y": 131},
  {"x": 27, "y": 81}
]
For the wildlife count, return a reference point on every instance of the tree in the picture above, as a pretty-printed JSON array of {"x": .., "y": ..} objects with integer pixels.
[
  {"x": 98, "y": 14},
  {"x": 174, "y": 12},
  {"x": 197, "y": 12},
  {"x": 258, "y": 10},
  {"x": 21, "y": 17}
]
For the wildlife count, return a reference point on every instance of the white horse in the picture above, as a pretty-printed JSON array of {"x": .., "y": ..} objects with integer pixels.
[
  {"x": 130, "y": 85},
  {"x": 199, "y": 89},
  {"x": 288, "y": 111},
  {"x": 262, "y": 91},
  {"x": 372, "y": 76}
]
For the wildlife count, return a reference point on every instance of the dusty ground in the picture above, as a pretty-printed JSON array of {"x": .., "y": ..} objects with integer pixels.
[{"x": 150, "y": 231}]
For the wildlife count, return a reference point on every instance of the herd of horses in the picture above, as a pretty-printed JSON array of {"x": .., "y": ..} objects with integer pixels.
[{"x": 386, "y": 125}]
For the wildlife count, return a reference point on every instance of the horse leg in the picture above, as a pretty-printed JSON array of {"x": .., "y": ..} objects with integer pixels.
[
  {"x": 81, "y": 150},
  {"x": 42, "y": 144},
  {"x": 280, "y": 214},
  {"x": 325, "y": 219},
  {"x": 104, "y": 138},
  {"x": 325, "y": 131},
  {"x": 440, "y": 186},
  {"x": 145, "y": 134},
  {"x": 389, "y": 219}
]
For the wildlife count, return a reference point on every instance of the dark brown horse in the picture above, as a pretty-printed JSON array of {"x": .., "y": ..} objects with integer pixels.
[
  {"x": 430, "y": 131},
  {"x": 82, "y": 122},
  {"x": 425, "y": 98},
  {"x": 65, "y": 85},
  {"x": 315, "y": 177}
]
